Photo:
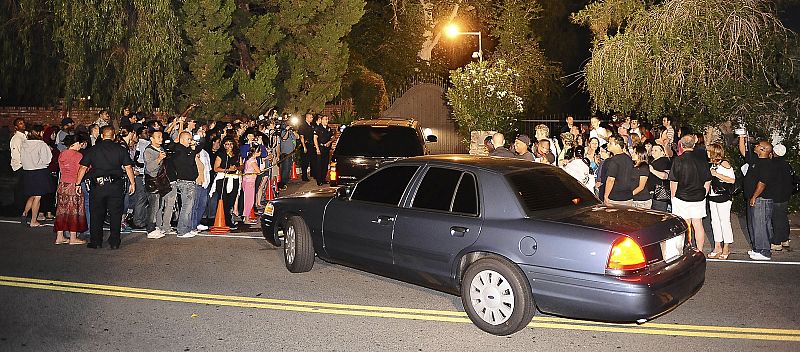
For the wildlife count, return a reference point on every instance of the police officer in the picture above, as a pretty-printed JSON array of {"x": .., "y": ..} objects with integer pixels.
[
  {"x": 308, "y": 157},
  {"x": 323, "y": 138},
  {"x": 107, "y": 163}
]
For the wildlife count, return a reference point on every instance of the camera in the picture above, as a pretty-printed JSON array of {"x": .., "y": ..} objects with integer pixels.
[{"x": 740, "y": 131}]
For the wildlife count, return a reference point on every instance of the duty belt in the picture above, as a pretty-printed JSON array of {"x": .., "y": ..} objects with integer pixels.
[{"x": 104, "y": 180}]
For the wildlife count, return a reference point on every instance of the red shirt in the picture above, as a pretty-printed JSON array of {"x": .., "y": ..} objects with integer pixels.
[{"x": 69, "y": 162}]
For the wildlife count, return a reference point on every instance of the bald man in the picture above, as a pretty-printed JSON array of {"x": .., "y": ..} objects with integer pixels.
[
  {"x": 499, "y": 142},
  {"x": 760, "y": 190},
  {"x": 107, "y": 163}
]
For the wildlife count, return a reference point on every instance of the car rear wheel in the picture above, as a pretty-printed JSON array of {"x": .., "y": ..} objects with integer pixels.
[
  {"x": 497, "y": 296},
  {"x": 298, "y": 250}
]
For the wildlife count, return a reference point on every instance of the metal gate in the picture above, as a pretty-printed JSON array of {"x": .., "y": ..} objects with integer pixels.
[{"x": 426, "y": 103}]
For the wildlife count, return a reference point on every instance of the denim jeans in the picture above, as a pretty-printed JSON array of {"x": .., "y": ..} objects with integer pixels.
[
  {"x": 85, "y": 190},
  {"x": 139, "y": 200},
  {"x": 200, "y": 203},
  {"x": 187, "y": 191},
  {"x": 762, "y": 226},
  {"x": 153, "y": 218},
  {"x": 286, "y": 170}
]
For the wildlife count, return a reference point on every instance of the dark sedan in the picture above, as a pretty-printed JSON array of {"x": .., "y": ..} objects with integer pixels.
[{"x": 509, "y": 236}]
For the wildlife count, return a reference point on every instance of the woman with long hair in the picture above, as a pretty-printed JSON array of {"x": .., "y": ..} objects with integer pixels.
[
  {"x": 642, "y": 197},
  {"x": 592, "y": 152},
  {"x": 659, "y": 167},
  {"x": 226, "y": 183},
  {"x": 251, "y": 171},
  {"x": 36, "y": 180},
  {"x": 719, "y": 201},
  {"x": 70, "y": 216}
]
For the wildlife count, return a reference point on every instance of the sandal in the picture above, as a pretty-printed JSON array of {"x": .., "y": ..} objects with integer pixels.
[
  {"x": 78, "y": 242},
  {"x": 724, "y": 256},
  {"x": 65, "y": 241},
  {"x": 37, "y": 225},
  {"x": 714, "y": 255}
]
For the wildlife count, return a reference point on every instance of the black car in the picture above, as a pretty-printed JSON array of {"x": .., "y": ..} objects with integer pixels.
[
  {"x": 509, "y": 236},
  {"x": 367, "y": 144}
]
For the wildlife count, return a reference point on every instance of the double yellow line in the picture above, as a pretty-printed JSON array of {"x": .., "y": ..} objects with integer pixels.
[{"x": 709, "y": 331}]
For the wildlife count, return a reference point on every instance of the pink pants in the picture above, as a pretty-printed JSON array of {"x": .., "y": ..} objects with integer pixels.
[{"x": 249, "y": 188}]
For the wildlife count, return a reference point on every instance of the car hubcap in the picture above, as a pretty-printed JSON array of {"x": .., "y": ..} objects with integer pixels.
[
  {"x": 492, "y": 297},
  {"x": 288, "y": 246}
]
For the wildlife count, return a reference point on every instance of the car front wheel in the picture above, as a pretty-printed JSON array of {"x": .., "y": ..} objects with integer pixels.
[
  {"x": 298, "y": 249},
  {"x": 497, "y": 296}
]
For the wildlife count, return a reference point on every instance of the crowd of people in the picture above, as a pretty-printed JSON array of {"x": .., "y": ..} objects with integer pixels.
[
  {"x": 132, "y": 172},
  {"x": 627, "y": 162}
]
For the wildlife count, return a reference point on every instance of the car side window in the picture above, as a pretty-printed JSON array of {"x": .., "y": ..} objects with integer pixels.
[
  {"x": 466, "y": 199},
  {"x": 385, "y": 186},
  {"x": 436, "y": 190}
]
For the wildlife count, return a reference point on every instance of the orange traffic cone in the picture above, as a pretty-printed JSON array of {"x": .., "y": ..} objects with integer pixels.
[
  {"x": 253, "y": 215},
  {"x": 220, "y": 228},
  {"x": 294, "y": 172},
  {"x": 270, "y": 193},
  {"x": 278, "y": 177}
]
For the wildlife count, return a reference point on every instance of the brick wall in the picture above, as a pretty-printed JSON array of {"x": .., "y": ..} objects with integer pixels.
[{"x": 45, "y": 116}]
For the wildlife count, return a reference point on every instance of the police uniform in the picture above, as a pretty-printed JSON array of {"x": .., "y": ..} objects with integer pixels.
[
  {"x": 324, "y": 136},
  {"x": 107, "y": 189},
  {"x": 308, "y": 158}
]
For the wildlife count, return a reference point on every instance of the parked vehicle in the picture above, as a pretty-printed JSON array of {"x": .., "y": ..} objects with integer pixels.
[
  {"x": 509, "y": 236},
  {"x": 367, "y": 144}
]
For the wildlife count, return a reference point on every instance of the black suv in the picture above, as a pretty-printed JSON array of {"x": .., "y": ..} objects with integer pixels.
[{"x": 367, "y": 144}]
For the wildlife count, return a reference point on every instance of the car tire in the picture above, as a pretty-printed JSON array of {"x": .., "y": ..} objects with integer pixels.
[
  {"x": 497, "y": 296},
  {"x": 298, "y": 248}
]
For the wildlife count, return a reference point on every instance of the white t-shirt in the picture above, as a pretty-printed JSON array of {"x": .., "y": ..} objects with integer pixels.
[
  {"x": 579, "y": 170},
  {"x": 16, "y": 149},
  {"x": 599, "y": 133}
]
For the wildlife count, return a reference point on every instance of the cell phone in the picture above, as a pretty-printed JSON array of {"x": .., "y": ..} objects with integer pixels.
[{"x": 740, "y": 131}]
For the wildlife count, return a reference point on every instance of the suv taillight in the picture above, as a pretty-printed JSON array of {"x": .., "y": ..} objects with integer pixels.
[{"x": 626, "y": 256}]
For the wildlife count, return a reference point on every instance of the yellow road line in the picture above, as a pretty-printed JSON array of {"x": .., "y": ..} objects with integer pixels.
[{"x": 389, "y": 312}]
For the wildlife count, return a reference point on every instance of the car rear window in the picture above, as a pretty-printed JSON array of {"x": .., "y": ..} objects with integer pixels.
[
  {"x": 371, "y": 141},
  {"x": 545, "y": 189}
]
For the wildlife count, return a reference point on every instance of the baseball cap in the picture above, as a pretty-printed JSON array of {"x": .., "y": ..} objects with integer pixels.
[
  {"x": 779, "y": 150},
  {"x": 66, "y": 121},
  {"x": 524, "y": 139}
]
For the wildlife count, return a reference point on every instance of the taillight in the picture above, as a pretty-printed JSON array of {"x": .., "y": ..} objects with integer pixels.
[
  {"x": 332, "y": 172},
  {"x": 625, "y": 256}
]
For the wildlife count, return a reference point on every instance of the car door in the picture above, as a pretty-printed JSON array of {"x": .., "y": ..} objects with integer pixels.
[
  {"x": 442, "y": 219},
  {"x": 358, "y": 230}
]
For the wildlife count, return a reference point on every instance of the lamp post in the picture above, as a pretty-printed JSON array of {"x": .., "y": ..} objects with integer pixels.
[{"x": 453, "y": 31}]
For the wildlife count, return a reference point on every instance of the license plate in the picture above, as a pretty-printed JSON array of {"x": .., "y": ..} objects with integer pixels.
[{"x": 672, "y": 248}]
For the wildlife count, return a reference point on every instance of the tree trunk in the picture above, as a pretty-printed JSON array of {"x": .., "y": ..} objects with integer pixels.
[{"x": 431, "y": 38}]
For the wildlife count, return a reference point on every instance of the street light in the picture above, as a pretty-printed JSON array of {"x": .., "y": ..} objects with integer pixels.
[{"x": 452, "y": 31}]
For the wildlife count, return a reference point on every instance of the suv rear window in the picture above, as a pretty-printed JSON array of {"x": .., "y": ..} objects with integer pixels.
[
  {"x": 545, "y": 189},
  {"x": 385, "y": 141}
]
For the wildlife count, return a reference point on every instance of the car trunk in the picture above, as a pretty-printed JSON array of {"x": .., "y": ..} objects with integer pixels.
[{"x": 645, "y": 226}]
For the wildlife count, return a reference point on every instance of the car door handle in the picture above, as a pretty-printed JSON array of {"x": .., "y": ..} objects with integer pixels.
[
  {"x": 383, "y": 220},
  {"x": 458, "y": 231}
]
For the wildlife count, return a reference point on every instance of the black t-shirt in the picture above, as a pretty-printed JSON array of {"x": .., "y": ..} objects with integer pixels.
[
  {"x": 620, "y": 167},
  {"x": 765, "y": 171},
  {"x": 106, "y": 158},
  {"x": 642, "y": 171},
  {"x": 183, "y": 163},
  {"x": 691, "y": 171},
  {"x": 661, "y": 164},
  {"x": 783, "y": 180},
  {"x": 225, "y": 160},
  {"x": 324, "y": 135},
  {"x": 307, "y": 132}
]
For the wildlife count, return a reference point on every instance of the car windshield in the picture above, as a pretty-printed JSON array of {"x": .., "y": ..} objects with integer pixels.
[
  {"x": 544, "y": 190},
  {"x": 388, "y": 141}
]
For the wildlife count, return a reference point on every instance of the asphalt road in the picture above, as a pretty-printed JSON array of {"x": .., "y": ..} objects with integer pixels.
[{"x": 223, "y": 294}]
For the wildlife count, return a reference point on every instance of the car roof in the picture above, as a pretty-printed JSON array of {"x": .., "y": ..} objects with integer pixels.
[
  {"x": 385, "y": 121},
  {"x": 502, "y": 165}
]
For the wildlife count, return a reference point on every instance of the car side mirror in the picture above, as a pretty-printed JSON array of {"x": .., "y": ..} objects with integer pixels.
[
  {"x": 344, "y": 191},
  {"x": 431, "y": 138}
]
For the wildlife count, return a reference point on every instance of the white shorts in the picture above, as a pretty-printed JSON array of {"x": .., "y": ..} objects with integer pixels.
[{"x": 689, "y": 210}]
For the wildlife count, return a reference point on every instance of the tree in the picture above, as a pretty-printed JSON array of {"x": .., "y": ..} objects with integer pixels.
[
  {"x": 367, "y": 90},
  {"x": 485, "y": 96},
  {"x": 206, "y": 23},
  {"x": 706, "y": 61}
]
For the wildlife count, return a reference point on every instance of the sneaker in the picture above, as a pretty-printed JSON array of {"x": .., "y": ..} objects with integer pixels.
[
  {"x": 202, "y": 227},
  {"x": 125, "y": 229},
  {"x": 189, "y": 234},
  {"x": 171, "y": 231},
  {"x": 786, "y": 243},
  {"x": 776, "y": 247},
  {"x": 759, "y": 256},
  {"x": 155, "y": 234},
  {"x": 750, "y": 253}
]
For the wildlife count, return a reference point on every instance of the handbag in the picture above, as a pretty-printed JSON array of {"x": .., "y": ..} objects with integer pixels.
[
  {"x": 158, "y": 184},
  {"x": 661, "y": 193}
]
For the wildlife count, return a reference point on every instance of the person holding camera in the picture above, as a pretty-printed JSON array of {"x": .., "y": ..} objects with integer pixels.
[
  {"x": 288, "y": 141},
  {"x": 184, "y": 164}
]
